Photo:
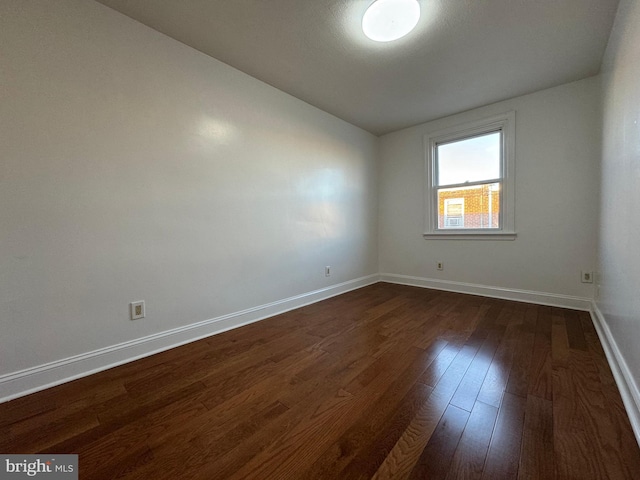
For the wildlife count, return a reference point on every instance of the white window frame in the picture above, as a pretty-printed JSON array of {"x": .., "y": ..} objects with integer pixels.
[{"x": 504, "y": 122}]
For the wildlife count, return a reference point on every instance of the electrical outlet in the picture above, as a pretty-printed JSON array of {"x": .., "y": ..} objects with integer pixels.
[
  {"x": 137, "y": 310},
  {"x": 586, "y": 277},
  {"x": 440, "y": 266},
  {"x": 327, "y": 271}
]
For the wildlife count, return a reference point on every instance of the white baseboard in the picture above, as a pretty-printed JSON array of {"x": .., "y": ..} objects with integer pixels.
[
  {"x": 624, "y": 379},
  {"x": 627, "y": 386},
  {"x": 30, "y": 380},
  {"x": 24, "y": 382},
  {"x": 540, "y": 298}
]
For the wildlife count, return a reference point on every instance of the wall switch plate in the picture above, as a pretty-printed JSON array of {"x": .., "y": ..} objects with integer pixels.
[
  {"x": 327, "y": 271},
  {"x": 586, "y": 277},
  {"x": 137, "y": 310},
  {"x": 440, "y": 266}
]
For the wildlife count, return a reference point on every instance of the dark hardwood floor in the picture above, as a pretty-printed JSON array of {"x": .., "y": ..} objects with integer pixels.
[{"x": 385, "y": 382}]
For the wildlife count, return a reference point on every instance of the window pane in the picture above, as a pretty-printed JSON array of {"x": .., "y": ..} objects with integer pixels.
[
  {"x": 470, "y": 160},
  {"x": 469, "y": 207}
]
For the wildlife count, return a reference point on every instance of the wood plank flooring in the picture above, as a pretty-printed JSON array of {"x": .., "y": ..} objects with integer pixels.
[{"x": 385, "y": 382}]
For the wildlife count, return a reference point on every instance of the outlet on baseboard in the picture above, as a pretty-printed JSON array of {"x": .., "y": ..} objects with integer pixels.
[{"x": 137, "y": 309}]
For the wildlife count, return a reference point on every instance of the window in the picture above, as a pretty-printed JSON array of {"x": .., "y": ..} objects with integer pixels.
[{"x": 470, "y": 180}]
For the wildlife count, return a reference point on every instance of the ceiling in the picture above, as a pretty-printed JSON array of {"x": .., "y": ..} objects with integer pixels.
[{"x": 463, "y": 53}]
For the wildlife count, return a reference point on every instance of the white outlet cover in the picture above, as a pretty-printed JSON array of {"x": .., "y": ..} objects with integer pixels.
[
  {"x": 586, "y": 277},
  {"x": 137, "y": 310}
]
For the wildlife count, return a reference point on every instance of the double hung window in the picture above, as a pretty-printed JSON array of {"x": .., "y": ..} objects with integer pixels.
[{"x": 470, "y": 180}]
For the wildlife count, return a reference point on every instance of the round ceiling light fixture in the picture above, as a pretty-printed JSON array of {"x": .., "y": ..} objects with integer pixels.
[{"x": 387, "y": 20}]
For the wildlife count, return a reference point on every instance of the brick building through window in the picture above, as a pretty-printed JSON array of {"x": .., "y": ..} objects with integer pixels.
[{"x": 477, "y": 206}]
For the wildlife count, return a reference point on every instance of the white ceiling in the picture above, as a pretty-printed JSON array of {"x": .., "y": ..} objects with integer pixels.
[{"x": 463, "y": 53}]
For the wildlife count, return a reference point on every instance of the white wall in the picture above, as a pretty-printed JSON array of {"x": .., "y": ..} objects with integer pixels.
[
  {"x": 133, "y": 167},
  {"x": 619, "y": 246},
  {"x": 557, "y": 170}
]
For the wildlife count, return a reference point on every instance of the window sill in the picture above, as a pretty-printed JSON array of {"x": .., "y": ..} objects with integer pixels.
[{"x": 470, "y": 235}]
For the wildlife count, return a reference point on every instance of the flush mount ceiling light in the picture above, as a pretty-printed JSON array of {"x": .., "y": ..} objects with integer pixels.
[{"x": 387, "y": 20}]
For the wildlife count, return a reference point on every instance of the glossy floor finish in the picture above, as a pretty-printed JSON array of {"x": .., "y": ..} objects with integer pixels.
[{"x": 385, "y": 382}]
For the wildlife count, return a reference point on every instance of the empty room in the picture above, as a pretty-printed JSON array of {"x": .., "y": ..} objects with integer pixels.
[{"x": 329, "y": 239}]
